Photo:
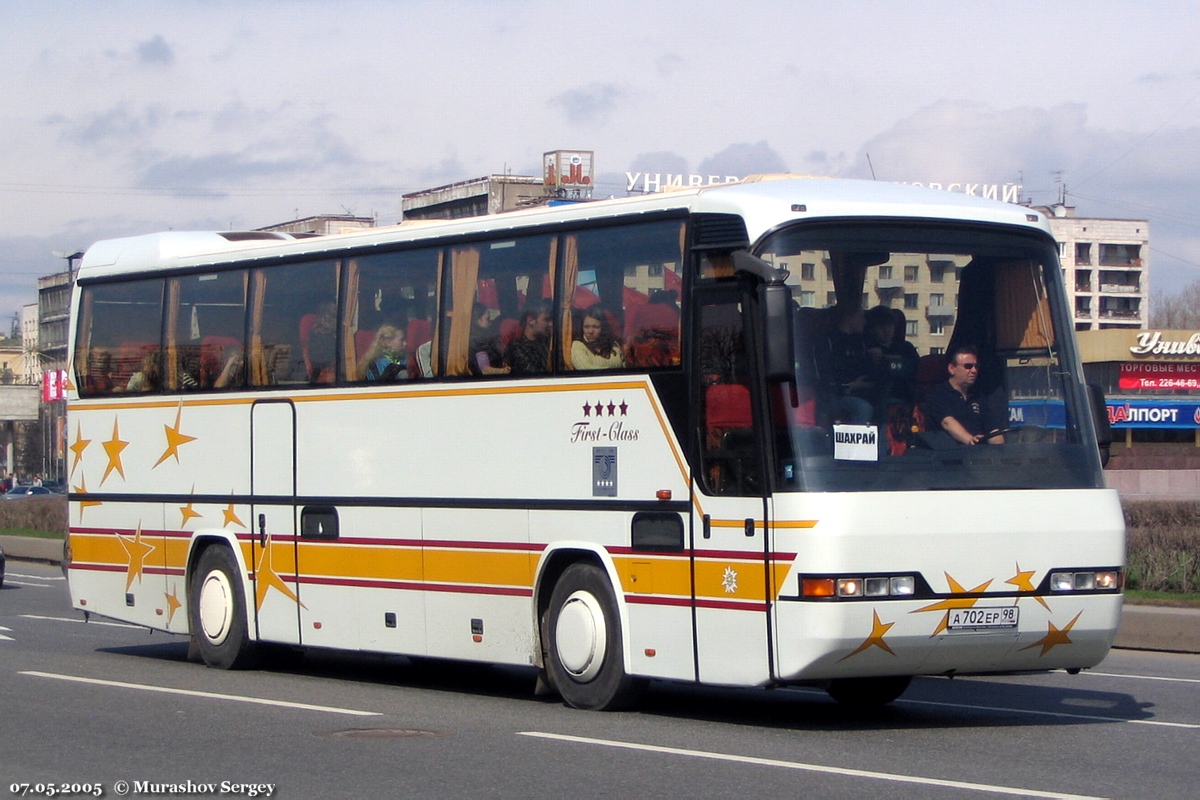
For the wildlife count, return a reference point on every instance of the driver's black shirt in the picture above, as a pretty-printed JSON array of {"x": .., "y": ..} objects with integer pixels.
[{"x": 945, "y": 401}]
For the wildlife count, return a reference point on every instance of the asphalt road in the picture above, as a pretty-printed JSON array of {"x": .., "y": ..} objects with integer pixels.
[{"x": 102, "y": 703}]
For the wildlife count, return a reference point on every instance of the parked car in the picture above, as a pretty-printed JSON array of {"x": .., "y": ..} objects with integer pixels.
[
  {"x": 26, "y": 491},
  {"x": 57, "y": 487}
]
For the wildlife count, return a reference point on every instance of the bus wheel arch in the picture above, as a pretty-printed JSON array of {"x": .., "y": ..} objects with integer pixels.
[
  {"x": 217, "y": 611},
  {"x": 583, "y": 639}
]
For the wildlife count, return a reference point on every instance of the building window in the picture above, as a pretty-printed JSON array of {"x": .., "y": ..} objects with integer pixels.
[
  {"x": 910, "y": 273},
  {"x": 831, "y": 298},
  {"x": 808, "y": 272},
  {"x": 1083, "y": 252},
  {"x": 936, "y": 351},
  {"x": 885, "y": 271},
  {"x": 808, "y": 299},
  {"x": 910, "y": 327},
  {"x": 937, "y": 327},
  {"x": 937, "y": 299},
  {"x": 910, "y": 300}
]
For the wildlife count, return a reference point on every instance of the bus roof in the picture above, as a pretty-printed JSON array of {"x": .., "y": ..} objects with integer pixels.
[{"x": 764, "y": 203}]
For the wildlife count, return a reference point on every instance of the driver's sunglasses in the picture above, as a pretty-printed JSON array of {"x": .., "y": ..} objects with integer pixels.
[{"x": 970, "y": 366}]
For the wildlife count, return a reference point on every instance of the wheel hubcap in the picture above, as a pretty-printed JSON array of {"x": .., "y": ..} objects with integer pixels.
[
  {"x": 216, "y": 607},
  {"x": 581, "y": 636}
]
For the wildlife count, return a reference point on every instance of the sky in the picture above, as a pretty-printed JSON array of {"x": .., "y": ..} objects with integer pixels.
[{"x": 121, "y": 118}]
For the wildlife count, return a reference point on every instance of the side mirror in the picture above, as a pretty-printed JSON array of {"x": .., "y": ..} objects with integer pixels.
[
  {"x": 1104, "y": 434},
  {"x": 779, "y": 349}
]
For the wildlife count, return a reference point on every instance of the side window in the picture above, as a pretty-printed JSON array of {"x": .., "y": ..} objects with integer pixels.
[
  {"x": 119, "y": 344},
  {"x": 206, "y": 328},
  {"x": 500, "y": 318},
  {"x": 391, "y": 306},
  {"x": 621, "y": 292},
  {"x": 293, "y": 328}
]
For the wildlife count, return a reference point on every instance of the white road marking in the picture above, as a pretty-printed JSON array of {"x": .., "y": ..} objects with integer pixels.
[
  {"x": 796, "y": 765},
  {"x": 85, "y": 622},
  {"x": 1035, "y": 712},
  {"x": 208, "y": 695},
  {"x": 6, "y": 638},
  {"x": 26, "y": 583},
  {"x": 1141, "y": 677},
  {"x": 38, "y": 577}
]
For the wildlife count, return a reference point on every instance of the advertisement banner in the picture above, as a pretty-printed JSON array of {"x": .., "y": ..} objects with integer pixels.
[{"x": 1159, "y": 375}]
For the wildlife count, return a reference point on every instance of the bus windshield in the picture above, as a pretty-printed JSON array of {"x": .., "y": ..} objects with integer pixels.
[{"x": 992, "y": 400}]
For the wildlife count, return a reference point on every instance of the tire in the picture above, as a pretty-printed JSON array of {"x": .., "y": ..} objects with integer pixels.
[
  {"x": 217, "y": 611},
  {"x": 864, "y": 693},
  {"x": 584, "y": 645}
]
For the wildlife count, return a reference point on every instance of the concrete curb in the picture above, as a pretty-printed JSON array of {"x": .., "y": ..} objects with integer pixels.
[
  {"x": 1142, "y": 627},
  {"x": 33, "y": 549}
]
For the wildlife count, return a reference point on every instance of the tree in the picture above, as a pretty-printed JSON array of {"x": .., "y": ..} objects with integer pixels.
[{"x": 1180, "y": 311}]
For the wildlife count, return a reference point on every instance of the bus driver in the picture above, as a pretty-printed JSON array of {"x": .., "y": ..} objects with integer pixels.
[{"x": 956, "y": 406}]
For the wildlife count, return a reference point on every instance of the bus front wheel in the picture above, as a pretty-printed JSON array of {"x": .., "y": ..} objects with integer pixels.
[
  {"x": 218, "y": 611},
  {"x": 585, "y": 647},
  {"x": 867, "y": 692}
]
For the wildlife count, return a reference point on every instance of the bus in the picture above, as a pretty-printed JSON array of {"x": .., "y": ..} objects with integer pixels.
[{"x": 686, "y": 501}]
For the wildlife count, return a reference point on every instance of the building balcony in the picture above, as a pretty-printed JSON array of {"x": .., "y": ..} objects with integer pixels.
[
  {"x": 1120, "y": 313},
  {"x": 1119, "y": 288},
  {"x": 1083, "y": 313},
  {"x": 885, "y": 284},
  {"x": 939, "y": 310}
]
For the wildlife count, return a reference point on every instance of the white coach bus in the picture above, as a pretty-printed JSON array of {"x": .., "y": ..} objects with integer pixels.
[{"x": 604, "y": 439}]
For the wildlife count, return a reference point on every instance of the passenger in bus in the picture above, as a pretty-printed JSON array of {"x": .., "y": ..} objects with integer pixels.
[
  {"x": 851, "y": 385},
  {"x": 529, "y": 354},
  {"x": 146, "y": 379},
  {"x": 232, "y": 372},
  {"x": 99, "y": 378},
  {"x": 888, "y": 347},
  {"x": 956, "y": 406},
  {"x": 485, "y": 358},
  {"x": 598, "y": 348},
  {"x": 387, "y": 357}
]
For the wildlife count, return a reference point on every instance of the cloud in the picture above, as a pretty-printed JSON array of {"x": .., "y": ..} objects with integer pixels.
[
  {"x": 209, "y": 175},
  {"x": 156, "y": 52},
  {"x": 588, "y": 104},
  {"x": 660, "y": 161},
  {"x": 743, "y": 159},
  {"x": 115, "y": 126}
]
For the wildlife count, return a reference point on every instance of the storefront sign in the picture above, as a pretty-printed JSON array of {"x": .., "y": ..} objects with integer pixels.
[
  {"x": 1152, "y": 343},
  {"x": 1153, "y": 414},
  {"x": 54, "y": 385},
  {"x": 1159, "y": 375}
]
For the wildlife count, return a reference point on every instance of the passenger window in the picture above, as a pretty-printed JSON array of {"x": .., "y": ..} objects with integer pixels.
[
  {"x": 206, "y": 325},
  {"x": 731, "y": 455},
  {"x": 624, "y": 285},
  {"x": 119, "y": 340},
  {"x": 294, "y": 330},
  {"x": 500, "y": 311},
  {"x": 391, "y": 305}
]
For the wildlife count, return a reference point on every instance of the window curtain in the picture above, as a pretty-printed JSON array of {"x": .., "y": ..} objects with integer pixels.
[
  {"x": 464, "y": 276},
  {"x": 350, "y": 324},
  {"x": 258, "y": 363},
  {"x": 570, "y": 280},
  {"x": 172, "y": 371}
]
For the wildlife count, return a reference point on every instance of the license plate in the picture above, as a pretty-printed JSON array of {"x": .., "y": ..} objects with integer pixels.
[{"x": 982, "y": 619}]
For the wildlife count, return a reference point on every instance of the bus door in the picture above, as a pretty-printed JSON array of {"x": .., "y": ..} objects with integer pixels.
[
  {"x": 730, "y": 589},
  {"x": 273, "y": 489}
]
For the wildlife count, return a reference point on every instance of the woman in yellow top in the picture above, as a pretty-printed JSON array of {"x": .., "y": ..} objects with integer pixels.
[{"x": 598, "y": 349}]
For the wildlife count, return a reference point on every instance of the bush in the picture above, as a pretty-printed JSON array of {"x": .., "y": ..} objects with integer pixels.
[
  {"x": 35, "y": 514},
  {"x": 1163, "y": 544}
]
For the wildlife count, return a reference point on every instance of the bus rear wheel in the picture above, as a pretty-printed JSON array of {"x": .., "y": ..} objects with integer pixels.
[
  {"x": 585, "y": 648},
  {"x": 867, "y": 692},
  {"x": 217, "y": 606}
]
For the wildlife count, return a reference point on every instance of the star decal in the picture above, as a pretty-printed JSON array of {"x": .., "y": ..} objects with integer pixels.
[
  {"x": 612, "y": 408},
  {"x": 173, "y": 604},
  {"x": 1023, "y": 580},
  {"x": 1054, "y": 636},
  {"x": 878, "y": 630},
  {"x": 729, "y": 580},
  {"x": 587, "y": 409},
  {"x": 265, "y": 579},
  {"x": 114, "y": 447},
  {"x": 174, "y": 439},
  {"x": 82, "y": 489},
  {"x": 954, "y": 602},
  {"x": 78, "y": 447},
  {"x": 624, "y": 408},
  {"x": 231, "y": 517},
  {"x": 137, "y": 550},
  {"x": 190, "y": 513}
]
